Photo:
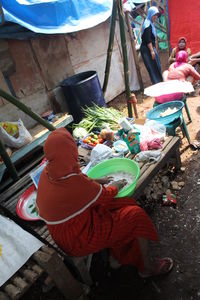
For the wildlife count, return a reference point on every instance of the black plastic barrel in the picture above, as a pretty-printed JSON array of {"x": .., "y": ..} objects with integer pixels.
[{"x": 82, "y": 90}]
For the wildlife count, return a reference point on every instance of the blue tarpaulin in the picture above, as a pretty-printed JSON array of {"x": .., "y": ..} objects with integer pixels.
[{"x": 56, "y": 16}]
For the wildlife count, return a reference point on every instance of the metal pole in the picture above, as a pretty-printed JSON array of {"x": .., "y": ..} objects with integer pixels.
[{"x": 166, "y": 23}]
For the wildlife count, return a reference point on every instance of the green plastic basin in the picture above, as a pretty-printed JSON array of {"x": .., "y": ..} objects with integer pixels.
[{"x": 115, "y": 165}]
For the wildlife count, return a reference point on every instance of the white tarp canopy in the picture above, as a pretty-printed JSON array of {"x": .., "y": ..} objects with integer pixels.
[{"x": 169, "y": 87}]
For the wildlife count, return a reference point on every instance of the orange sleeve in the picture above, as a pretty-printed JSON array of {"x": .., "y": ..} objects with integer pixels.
[{"x": 107, "y": 194}]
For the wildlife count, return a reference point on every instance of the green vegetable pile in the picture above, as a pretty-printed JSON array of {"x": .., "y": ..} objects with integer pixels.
[{"x": 99, "y": 117}]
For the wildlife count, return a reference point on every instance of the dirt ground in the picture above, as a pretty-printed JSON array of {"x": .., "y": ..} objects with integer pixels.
[{"x": 178, "y": 229}]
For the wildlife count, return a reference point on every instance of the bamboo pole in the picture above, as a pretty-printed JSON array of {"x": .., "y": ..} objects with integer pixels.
[
  {"x": 166, "y": 23},
  {"x": 6, "y": 159},
  {"x": 26, "y": 110},
  {"x": 130, "y": 31},
  {"x": 130, "y": 98},
  {"x": 110, "y": 45},
  {"x": 140, "y": 30},
  {"x": 142, "y": 15},
  {"x": 8, "y": 162}
]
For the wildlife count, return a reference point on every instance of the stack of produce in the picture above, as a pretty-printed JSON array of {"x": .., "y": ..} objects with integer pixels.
[
  {"x": 93, "y": 139},
  {"x": 99, "y": 117}
]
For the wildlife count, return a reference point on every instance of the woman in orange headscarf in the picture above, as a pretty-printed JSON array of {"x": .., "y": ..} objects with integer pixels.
[
  {"x": 83, "y": 216},
  {"x": 181, "y": 45}
]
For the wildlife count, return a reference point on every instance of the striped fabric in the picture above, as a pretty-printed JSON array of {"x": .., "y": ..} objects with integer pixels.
[{"x": 113, "y": 223}]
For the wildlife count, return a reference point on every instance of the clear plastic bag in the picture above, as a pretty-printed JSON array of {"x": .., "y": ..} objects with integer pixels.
[
  {"x": 99, "y": 153},
  {"x": 14, "y": 134},
  {"x": 157, "y": 130}
]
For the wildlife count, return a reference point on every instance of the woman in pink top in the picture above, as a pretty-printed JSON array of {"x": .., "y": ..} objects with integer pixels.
[{"x": 181, "y": 70}]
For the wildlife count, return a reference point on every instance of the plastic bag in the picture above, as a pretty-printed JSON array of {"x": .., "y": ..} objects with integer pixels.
[
  {"x": 99, "y": 153},
  {"x": 158, "y": 130},
  {"x": 14, "y": 134},
  {"x": 149, "y": 157}
]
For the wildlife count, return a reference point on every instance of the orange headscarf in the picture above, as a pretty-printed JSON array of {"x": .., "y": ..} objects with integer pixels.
[
  {"x": 177, "y": 47},
  {"x": 63, "y": 191}
]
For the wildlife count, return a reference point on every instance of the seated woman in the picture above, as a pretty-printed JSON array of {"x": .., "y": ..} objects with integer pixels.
[
  {"x": 181, "y": 45},
  {"x": 180, "y": 70},
  {"x": 83, "y": 216}
]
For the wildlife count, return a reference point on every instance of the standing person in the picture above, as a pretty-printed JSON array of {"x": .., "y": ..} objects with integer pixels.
[
  {"x": 181, "y": 46},
  {"x": 84, "y": 217},
  {"x": 148, "y": 46}
]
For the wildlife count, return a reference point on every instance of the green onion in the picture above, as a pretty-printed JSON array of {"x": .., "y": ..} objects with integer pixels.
[{"x": 96, "y": 116}]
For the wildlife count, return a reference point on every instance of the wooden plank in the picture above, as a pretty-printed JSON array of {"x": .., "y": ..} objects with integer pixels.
[
  {"x": 28, "y": 166},
  {"x": 16, "y": 189},
  {"x": 3, "y": 296},
  {"x": 57, "y": 270},
  {"x": 12, "y": 291},
  {"x": 149, "y": 173}
]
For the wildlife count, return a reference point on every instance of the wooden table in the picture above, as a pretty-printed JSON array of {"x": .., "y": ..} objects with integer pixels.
[
  {"x": 9, "y": 198},
  {"x": 170, "y": 152}
]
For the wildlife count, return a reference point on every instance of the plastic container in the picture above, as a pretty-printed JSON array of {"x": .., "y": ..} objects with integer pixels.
[
  {"x": 48, "y": 115},
  {"x": 125, "y": 124},
  {"x": 154, "y": 114},
  {"x": 82, "y": 90},
  {"x": 120, "y": 146},
  {"x": 132, "y": 139},
  {"x": 115, "y": 165}
]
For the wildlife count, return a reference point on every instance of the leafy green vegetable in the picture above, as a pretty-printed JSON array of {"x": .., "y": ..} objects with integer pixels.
[{"x": 99, "y": 117}]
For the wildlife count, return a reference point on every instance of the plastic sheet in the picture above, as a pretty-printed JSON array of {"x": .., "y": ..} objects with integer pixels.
[
  {"x": 168, "y": 87},
  {"x": 56, "y": 16}
]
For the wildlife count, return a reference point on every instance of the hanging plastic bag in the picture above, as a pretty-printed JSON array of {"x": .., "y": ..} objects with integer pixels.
[{"x": 14, "y": 134}]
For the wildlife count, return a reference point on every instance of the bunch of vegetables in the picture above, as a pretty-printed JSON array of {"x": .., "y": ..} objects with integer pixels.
[
  {"x": 99, "y": 117},
  {"x": 93, "y": 139}
]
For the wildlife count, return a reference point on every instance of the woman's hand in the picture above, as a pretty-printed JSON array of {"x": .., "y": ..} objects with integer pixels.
[
  {"x": 119, "y": 184},
  {"x": 104, "y": 180},
  {"x": 150, "y": 46},
  {"x": 153, "y": 56}
]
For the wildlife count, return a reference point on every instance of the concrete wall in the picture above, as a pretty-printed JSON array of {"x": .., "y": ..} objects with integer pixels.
[
  {"x": 39, "y": 65},
  {"x": 33, "y": 69}
]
